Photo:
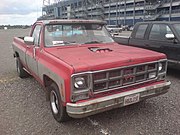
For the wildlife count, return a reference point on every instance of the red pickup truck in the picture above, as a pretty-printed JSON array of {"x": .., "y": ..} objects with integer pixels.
[{"x": 83, "y": 71}]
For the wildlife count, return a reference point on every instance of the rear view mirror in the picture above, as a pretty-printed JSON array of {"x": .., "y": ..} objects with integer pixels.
[
  {"x": 29, "y": 40},
  {"x": 170, "y": 36}
]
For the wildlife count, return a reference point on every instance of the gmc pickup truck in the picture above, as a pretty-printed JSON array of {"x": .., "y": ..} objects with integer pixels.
[
  {"x": 163, "y": 37},
  {"x": 83, "y": 71}
]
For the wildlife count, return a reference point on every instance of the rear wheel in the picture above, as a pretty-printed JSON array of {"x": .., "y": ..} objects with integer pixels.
[
  {"x": 57, "y": 108},
  {"x": 19, "y": 67}
]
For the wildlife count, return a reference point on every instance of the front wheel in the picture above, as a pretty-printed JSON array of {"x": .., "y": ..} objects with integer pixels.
[{"x": 58, "y": 110}]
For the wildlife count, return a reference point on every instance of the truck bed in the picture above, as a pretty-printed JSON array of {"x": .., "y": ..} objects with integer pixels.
[{"x": 21, "y": 38}]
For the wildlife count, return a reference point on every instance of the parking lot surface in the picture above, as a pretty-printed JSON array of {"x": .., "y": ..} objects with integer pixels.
[{"x": 24, "y": 109}]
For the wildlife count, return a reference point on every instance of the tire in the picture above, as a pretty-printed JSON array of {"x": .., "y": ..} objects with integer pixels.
[
  {"x": 58, "y": 110},
  {"x": 19, "y": 67}
]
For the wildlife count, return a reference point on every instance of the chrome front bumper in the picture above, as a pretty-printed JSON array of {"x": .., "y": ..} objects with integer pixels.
[{"x": 80, "y": 110}]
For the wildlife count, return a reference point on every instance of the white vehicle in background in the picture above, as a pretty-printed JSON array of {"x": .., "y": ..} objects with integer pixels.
[
  {"x": 114, "y": 29},
  {"x": 5, "y": 28}
]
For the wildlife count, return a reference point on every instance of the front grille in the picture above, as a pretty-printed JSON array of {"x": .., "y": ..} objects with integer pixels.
[{"x": 122, "y": 77}]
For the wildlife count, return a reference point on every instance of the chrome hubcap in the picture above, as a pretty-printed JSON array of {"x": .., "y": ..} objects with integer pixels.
[{"x": 54, "y": 102}]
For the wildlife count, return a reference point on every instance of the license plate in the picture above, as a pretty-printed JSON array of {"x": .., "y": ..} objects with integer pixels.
[{"x": 131, "y": 99}]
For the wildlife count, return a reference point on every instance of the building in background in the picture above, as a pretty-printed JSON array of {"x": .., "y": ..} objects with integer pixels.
[{"x": 119, "y": 12}]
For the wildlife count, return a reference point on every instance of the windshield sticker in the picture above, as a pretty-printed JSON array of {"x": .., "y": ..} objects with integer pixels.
[{"x": 57, "y": 42}]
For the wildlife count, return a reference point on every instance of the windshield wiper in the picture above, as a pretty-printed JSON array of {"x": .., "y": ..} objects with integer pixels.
[{"x": 93, "y": 42}]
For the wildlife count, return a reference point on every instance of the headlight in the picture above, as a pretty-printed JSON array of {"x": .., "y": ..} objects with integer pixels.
[
  {"x": 80, "y": 83},
  {"x": 80, "y": 86},
  {"x": 160, "y": 66}
]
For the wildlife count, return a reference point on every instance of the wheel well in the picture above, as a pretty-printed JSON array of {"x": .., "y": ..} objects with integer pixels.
[{"x": 47, "y": 82}]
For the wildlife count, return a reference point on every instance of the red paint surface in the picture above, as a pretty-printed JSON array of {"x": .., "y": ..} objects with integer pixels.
[{"x": 66, "y": 60}]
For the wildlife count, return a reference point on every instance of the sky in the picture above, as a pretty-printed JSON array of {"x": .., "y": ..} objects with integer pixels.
[{"x": 20, "y": 12}]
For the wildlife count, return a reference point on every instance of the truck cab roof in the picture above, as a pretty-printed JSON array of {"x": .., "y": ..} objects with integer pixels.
[
  {"x": 63, "y": 21},
  {"x": 159, "y": 22}
]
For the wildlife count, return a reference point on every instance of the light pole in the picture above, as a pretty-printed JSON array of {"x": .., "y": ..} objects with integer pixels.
[
  {"x": 170, "y": 11},
  {"x": 134, "y": 10}
]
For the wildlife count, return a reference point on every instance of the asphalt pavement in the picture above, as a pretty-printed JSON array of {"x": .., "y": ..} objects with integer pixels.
[{"x": 25, "y": 111}]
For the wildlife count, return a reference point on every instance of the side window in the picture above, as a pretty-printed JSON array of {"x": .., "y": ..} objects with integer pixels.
[
  {"x": 141, "y": 31},
  {"x": 36, "y": 35},
  {"x": 159, "y": 31}
]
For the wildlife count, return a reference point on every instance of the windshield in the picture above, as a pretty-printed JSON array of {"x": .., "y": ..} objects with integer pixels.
[
  {"x": 71, "y": 34},
  {"x": 177, "y": 28}
]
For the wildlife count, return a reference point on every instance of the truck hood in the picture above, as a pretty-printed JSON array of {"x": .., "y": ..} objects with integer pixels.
[{"x": 102, "y": 56}]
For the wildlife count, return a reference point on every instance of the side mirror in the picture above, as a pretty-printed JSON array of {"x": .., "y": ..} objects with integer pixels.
[
  {"x": 170, "y": 36},
  {"x": 29, "y": 40}
]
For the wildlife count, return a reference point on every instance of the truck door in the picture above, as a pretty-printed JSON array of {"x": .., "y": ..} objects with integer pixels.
[
  {"x": 33, "y": 51},
  {"x": 159, "y": 42}
]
